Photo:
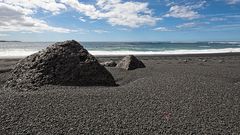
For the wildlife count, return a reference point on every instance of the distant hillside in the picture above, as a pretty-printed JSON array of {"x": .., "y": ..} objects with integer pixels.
[{"x": 8, "y": 41}]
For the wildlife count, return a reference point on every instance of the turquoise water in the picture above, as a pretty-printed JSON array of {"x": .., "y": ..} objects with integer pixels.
[{"x": 21, "y": 49}]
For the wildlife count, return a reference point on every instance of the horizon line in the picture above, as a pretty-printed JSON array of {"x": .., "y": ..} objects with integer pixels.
[{"x": 127, "y": 41}]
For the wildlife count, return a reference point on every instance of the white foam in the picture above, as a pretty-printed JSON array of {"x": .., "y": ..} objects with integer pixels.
[
  {"x": 16, "y": 53},
  {"x": 232, "y": 42},
  {"x": 19, "y": 53},
  {"x": 205, "y": 51}
]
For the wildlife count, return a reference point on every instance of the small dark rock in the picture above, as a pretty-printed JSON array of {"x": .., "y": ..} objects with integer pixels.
[
  {"x": 130, "y": 62},
  {"x": 185, "y": 61}
]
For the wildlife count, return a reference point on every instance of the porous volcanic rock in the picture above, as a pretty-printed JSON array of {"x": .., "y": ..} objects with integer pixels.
[
  {"x": 63, "y": 63},
  {"x": 130, "y": 62}
]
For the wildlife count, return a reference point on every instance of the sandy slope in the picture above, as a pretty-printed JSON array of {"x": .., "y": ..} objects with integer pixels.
[{"x": 169, "y": 96}]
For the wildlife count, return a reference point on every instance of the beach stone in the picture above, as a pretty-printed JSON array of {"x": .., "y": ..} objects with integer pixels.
[
  {"x": 63, "y": 63},
  {"x": 130, "y": 62},
  {"x": 220, "y": 61},
  {"x": 204, "y": 60},
  {"x": 185, "y": 61},
  {"x": 109, "y": 63}
]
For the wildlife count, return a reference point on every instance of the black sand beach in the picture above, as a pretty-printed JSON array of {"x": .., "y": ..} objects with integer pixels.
[{"x": 188, "y": 94}]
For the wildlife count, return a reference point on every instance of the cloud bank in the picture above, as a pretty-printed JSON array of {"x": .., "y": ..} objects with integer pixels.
[
  {"x": 19, "y": 15},
  {"x": 129, "y": 14},
  {"x": 16, "y": 15}
]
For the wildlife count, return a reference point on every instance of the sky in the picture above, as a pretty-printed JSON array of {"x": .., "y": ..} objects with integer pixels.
[{"x": 120, "y": 20}]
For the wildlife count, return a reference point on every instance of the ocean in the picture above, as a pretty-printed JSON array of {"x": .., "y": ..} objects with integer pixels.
[{"x": 22, "y": 49}]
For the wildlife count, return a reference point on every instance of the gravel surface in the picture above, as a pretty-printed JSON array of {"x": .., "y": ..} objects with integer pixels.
[{"x": 172, "y": 95}]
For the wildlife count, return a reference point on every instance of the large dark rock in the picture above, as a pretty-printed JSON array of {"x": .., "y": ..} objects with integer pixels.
[
  {"x": 63, "y": 63},
  {"x": 130, "y": 62}
]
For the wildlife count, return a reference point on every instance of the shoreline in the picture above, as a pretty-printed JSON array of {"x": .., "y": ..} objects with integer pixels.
[
  {"x": 177, "y": 55},
  {"x": 152, "y": 55}
]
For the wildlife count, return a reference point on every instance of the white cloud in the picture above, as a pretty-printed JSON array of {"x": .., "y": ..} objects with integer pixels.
[
  {"x": 199, "y": 4},
  {"x": 187, "y": 25},
  {"x": 47, "y": 5},
  {"x": 233, "y": 1},
  {"x": 191, "y": 24},
  {"x": 230, "y": 2},
  {"x": 18, "y": 18},
  {"x": 116, "y": 12},
  {"x": 162, "y": 29},
  {"x": 130, "y": 14},
  {"x": 184, "y": 12},
  {"x": 88, "y": 10},
  {"x": 185, "y": 9},
  {"x": 217, "y": 19},
  {"x": 99, "y": 31},
  {"x": 82, "y": 19}
]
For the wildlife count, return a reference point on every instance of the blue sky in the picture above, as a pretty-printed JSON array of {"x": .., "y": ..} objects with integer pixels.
[{"x": 120, "y": 20}]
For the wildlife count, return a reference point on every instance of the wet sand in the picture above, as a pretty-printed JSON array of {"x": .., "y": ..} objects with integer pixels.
[{"x": 183, "y": 94}]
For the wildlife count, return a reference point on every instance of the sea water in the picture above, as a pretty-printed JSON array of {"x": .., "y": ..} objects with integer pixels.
[{"x": 22, "y": 49}]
